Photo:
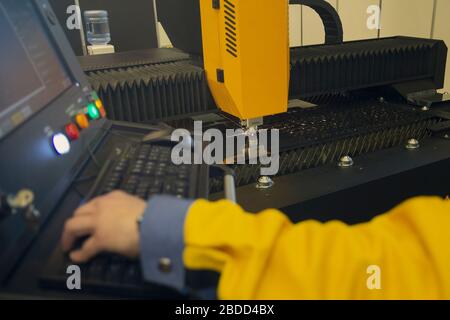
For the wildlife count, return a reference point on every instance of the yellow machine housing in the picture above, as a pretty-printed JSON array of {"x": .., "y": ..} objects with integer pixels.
[{"x": 246, "y": 55}]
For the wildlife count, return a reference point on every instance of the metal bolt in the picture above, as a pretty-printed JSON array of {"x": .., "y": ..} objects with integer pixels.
[
  {"x": 381, "y": 99},
  {"x": 425, "y": 108},
  {"x": 252, "y": 132},
  {"x": 413, "y": 144},
  {"x": 346, "y": 162},
  {"x": 165, "y": 265},
  {"x": 265, "y": 182},
  {"x": 446, "y": 136}
]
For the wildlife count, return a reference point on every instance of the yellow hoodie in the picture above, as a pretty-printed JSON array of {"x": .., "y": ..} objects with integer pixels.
[{"x": 404, "y": 254}]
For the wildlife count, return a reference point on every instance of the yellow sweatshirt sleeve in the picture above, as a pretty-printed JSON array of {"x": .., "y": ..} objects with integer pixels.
[{"x": 404, "y": 254}]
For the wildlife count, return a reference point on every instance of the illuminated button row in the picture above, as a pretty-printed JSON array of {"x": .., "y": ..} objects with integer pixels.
[{"x": 93, "y": 111}]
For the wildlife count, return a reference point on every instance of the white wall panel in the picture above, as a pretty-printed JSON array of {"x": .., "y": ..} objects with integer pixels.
[
  {"x": 407, "y": 17},
  {"x": 295, "y": 25},
  {"x": 354, "y": 18}
]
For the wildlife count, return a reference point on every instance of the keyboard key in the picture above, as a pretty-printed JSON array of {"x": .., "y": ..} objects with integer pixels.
[
  {"x": 169, "y": 188},
  {"x": 132, "y": 274},
  {"x": 181, "y": 192},
  {"x": 113, "y": 273},
  {"x": 97, "y": 268},
  {"x": 152, "y": 191},
  {"x": 129, "y": 189},
  {"x": 183, "y": 175}
]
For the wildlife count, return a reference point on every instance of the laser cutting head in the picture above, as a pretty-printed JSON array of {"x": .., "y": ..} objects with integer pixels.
[{"x": 246, "y": 55}]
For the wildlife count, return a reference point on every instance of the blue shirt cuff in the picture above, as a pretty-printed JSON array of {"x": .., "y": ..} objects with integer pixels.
[{"x": 162, "y": 241}]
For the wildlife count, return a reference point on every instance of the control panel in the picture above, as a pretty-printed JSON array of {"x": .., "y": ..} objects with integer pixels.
[
  {"x": 80, "y": 118},
  {"x": 51, "y": 122}
]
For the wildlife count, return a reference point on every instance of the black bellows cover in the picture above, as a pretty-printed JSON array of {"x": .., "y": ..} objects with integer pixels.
[
  {"x": 159, "y": 84},
  {"x": 324, "y": 69},
  {"x": 153, "y": 92}
]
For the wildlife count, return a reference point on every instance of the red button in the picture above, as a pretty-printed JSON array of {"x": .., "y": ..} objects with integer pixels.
[{"x": 72, "y": 132}]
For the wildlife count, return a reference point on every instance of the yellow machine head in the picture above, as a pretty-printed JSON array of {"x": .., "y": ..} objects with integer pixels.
[{"x": 246, "y": 55}]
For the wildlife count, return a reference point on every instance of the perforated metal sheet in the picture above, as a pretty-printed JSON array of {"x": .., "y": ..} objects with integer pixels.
[{"x": 319, "y": 136}]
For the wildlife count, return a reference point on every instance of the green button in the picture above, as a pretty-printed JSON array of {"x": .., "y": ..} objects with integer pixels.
[{"x": 93, "y": 112}]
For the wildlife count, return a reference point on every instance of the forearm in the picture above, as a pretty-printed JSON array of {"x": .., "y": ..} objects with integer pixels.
[{"x": 265, "y": 256}]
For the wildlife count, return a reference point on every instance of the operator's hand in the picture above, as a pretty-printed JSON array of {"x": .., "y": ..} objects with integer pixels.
[{"x": 110, "y": 224}]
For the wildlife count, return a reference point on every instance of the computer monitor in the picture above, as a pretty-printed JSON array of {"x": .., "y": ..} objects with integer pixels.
[{"x": 32, "y": 74}]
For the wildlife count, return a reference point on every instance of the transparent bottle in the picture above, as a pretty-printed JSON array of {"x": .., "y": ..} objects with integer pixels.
[{"x": 97, "y": 27}]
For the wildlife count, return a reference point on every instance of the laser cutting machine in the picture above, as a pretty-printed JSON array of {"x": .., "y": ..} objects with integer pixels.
[{"x": 362, "y": 127}]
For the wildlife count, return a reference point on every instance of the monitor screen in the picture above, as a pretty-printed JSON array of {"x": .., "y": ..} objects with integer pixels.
[{"x": 31, "y": 72}]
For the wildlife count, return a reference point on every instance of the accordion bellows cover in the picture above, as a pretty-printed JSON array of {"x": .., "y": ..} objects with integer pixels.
[
  {"x": 152, "y": 92},
  {"x": 324, "y": 69}
]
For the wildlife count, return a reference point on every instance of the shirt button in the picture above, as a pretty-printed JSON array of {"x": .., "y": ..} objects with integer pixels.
[{"x": 165, "y": 265}]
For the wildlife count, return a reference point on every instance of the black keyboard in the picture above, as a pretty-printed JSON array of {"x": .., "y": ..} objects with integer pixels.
[
  {"x": 143, "y": 171},
  {"x": 147, "y": 170}
]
